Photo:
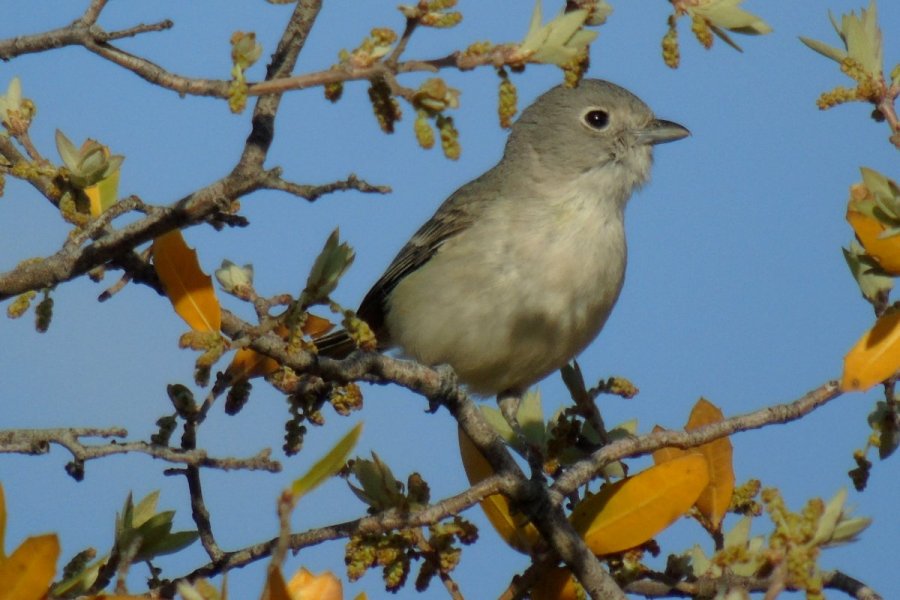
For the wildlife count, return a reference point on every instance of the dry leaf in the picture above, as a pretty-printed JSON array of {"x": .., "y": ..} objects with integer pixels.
[
  {"x": 515, "y": 530},
  {"x": 189, "y": 289},
  {"x": 27, "y": 573},
  {"x": 714, "y": 500},
  {"x": 630, "y": 512},
  {"x": 876, "y": 356}
]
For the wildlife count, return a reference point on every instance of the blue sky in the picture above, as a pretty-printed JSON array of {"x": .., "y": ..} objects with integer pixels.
[{"x": 736, "y": 288}]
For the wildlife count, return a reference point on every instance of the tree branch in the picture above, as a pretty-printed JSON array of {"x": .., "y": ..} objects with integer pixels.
[
  {"x": 274, "y": 181},
  {"x": 83, "y": 32},
  {"x": 583, "y": 471},
  {"x": 38, "y": 441}
]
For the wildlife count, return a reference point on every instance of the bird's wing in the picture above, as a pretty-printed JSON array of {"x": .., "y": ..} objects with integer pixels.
[{"x": 455, "y": 215}]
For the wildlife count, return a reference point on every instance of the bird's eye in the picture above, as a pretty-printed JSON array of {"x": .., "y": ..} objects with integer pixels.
[{"x": 596, "y": 118}]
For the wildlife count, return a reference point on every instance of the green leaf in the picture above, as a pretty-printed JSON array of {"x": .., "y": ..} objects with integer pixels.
[
  {"x": 873, "y": 282},
  {"x": 328, "y": 465},
  {"x": 847, "y": 530},
  {"x": 380, "y": 489},
  {"x": 727, "y": 15},
  {"x": 332, "y": 262},
  {"x": 67, "y": 151},
  {"x": 495, "y": 419},
  {"x": 883, "y": 421},
  {"x": 144, "y": 510},
  {"x": 884, "y": 191},
  {"x": 835, "y": 54},
  {"x": 174, "y": 542},
  {"x": 830, "y": 517},
  {"x": 79, "y": 582},
  {"x": 531, "y": 419},
  {"x": 560, "y": 40},
  {"x": 738, "y": 535},
  {"x": 12, "y": 100},
  {"x": 863, "y": 38},
  {"x": 700, "y": 563},
  {"x": 151, "y": 530}
]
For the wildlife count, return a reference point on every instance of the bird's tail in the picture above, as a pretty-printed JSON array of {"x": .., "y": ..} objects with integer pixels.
[{"x": 336, "y": 345}]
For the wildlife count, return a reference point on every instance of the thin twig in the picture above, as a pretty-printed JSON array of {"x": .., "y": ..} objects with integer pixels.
[
  {"x": 138, "y": 29},
  {"x": 200, "y": 514},
  {"x": 38, "y": 441},
  {"x": 311, "y": 193},
  {"x": 584, "y": 470}
]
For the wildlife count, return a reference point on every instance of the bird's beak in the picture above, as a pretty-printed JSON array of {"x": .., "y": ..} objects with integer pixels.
[{"x": 659, "y": 131}]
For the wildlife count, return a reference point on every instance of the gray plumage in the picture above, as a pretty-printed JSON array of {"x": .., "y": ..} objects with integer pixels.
[{"x": 518, "y": 270}]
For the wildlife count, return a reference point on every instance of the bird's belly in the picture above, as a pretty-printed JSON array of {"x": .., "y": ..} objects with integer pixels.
[{"x": 507, "y": 315}]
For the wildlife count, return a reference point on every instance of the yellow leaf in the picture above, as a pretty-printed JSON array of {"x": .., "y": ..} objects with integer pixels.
[
  {"x": 28, "y": 571},
  {"x": 630, "y": 512},
  {"x": 275, "y": 587},
  {"x": 104, "y": 193},
  {"x": 884, "y": 250},
  {"x": 306, "y": 586},
  {"x": 516, "y": 530},
  {"x": 714, "y": 500},
  {"x": 665, "y": 454},
  {"x": 554, "y": 583},
  {"x": 189, "y": 289},
  {"x": 876, "y": 356}
]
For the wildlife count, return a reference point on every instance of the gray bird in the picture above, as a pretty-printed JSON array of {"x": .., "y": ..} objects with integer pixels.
[{"x": 518, "y": 270}]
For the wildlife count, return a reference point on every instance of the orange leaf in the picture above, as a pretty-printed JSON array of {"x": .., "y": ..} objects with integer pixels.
[
  {"x": 630, "y": 512},
  {"x": 714, "y": 500},
  {"x": 306, "y": 586},
  {"x": 275, "y": 587},
  {"x": 876, "y": 356},
  {"x": 248, "y": 363},
  {"x": 316, "y": 326},
  {"x": 884, "y": 250},
  {"x": 189, "y": 289},
  {"x": 665, "y": 454},
  {"x": 554, "y": 583},
  {"x": 28, "y": 571},
  {"x": 516, "y": 530}
]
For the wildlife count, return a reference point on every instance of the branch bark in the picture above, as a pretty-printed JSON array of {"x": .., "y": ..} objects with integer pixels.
[{"x": 39, "y": 441}]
